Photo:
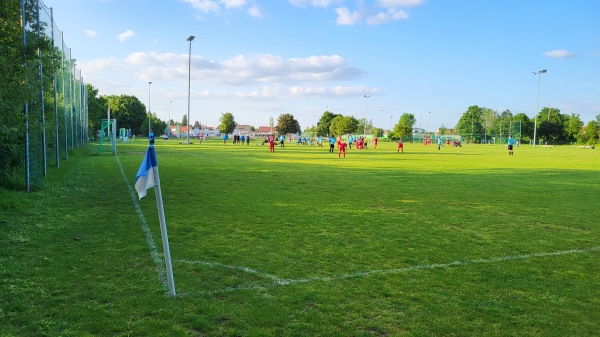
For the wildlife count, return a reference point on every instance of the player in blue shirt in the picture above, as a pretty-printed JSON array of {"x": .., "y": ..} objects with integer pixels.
[
  {"x": 332, "y": 141},
  {"x": 511, "y": 143}
]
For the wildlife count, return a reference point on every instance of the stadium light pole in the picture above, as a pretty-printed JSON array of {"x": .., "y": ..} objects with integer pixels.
[
  {"x": 365, "y": 125},
  {"x": 381, "y": 120},
  {"x": 149, "y": 111},
  {"x": 428, "y": 121},
  {"x": 190, "y": 38},
  {"x": 389, "y": 132},
  {"x": 169, "y": 118},
  {"x": 537, "y": 98}
]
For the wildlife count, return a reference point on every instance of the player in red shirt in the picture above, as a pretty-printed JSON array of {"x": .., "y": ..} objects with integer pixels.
[
  {"x": 342, "y": 148},
  {"x": 375, "y": 140},
  {"x": 400, "y": 146},
  {"x": 272, "y": 143}
]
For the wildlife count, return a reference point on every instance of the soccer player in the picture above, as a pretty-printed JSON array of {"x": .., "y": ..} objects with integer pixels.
[
  {"x": 331, "y": 143},
  {"x": 511, "y": 143},
  {"x": 439, "y": 142},
  {"x": 375, "y": 140},
  {"x": 400, "y": 146},
  {"x": 272, "y": 143},
  {"x": 282, "y": 141},
  {"x": 342, "y": 148}
]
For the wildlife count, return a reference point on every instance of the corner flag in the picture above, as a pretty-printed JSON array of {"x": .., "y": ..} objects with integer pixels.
[{"x": 147, "y": 177}]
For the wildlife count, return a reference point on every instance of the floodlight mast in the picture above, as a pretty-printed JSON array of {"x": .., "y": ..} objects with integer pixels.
[
  {"x": 149, "y": 111},
  {"x": 190, "y": 39},
  {"x": 537, "y": 98},
  {"x": 365, "y": 124},
  {"x": 169, "y": 119}
]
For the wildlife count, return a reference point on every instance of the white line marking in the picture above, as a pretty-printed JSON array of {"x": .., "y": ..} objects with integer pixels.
[
  {"x": 283, "y": 282},
  {"x": 274, "y": 278},
  {"x": 156, "y": 256}
]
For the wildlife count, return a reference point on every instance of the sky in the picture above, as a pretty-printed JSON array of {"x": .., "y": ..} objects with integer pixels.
[{"x": 379, "y": 59}]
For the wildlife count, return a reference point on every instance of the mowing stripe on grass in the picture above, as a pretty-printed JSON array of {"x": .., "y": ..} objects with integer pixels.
[
  {"x": 282, "y": 282},
  {"x": 158, "y": 261}
]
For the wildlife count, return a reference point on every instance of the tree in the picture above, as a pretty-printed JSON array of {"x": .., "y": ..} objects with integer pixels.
[
  {"x": 312, "y": 128},
  {"x": 158, "y": 125},
  {"x": 286, "y": 123},
  {"x": 573, "y": 126},
  {"x": 526, "y": 126},
  {"x": 197, "y": 125},
  {"x": 365, "y": 126},
  {"x": 489, "y": 118},
  {"x": 442, "y": 130},
  {"x": 324, "y": 122},
  {"x": 551, "y": 124},
  {"x": 341, "y": 125},
  {"x": 97, "y": 108},
  {"x": 228, "y": 123},
  {"x": 130, "y": 113},
  {"x": 13, "y": 91},
  {"x": 589, "y": 134},
  {"x": 184, "y": 120},
  {"x": 404, "y": 127},
  {"x": 377, "y": 132},
  {"x": 470, "y": 123}
]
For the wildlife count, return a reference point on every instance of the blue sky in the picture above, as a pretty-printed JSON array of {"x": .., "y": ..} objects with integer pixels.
[{"x": 258, "y": 59}]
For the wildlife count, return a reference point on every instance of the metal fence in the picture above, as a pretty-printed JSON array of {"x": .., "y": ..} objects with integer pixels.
[{"x": 56, "y": 120}]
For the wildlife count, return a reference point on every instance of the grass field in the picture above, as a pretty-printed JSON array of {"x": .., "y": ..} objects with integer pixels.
[{"x": 458, "y": 242}]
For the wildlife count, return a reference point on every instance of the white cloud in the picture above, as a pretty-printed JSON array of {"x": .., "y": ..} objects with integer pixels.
[
  {"x": 338, "y": 90},
  {"x": 384, "y": 17},
  {"x": 314, "y": 3},
  {"x": 399, "y": 3},
  {"x": 560, "y": 54},
  {"x": 364, "y": 13},
  {"x": 216, "y": 6},
  {"x": 233, "y": 3},
  {"x": 205, "y": 6},
  {"x": 236, "y": 71},
  {"x": 126, "y": 35},
  {"x": 255, "y": 12},
  {"x": 346, "y": 17},
  {"x": 90, "y": 33}
]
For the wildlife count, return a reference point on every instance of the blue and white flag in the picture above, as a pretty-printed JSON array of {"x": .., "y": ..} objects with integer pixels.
[{"x": 145, "y": 177}]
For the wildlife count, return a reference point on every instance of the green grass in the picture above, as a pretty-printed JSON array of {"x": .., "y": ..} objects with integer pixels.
[{"x": 456, "y": 242}]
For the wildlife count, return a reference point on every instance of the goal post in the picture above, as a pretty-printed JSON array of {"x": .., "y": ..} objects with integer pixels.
[{"x": 108, "y": 128}]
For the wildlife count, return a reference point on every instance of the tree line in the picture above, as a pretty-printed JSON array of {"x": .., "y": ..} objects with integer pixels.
[{"x": 476, "y": 123}]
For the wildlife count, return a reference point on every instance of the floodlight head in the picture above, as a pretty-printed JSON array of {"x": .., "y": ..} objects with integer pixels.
[
  {"x": 150, "y": 82},
  {"x": 543, "y": 71},
  {"x": 191, "y": 38}
]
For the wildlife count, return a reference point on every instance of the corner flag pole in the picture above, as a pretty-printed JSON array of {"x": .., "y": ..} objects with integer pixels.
[
  {"x": 163, "y": 232},
  {"x": 147, "y": 177}
]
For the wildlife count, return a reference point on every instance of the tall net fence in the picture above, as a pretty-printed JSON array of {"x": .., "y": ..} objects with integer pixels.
[{"x": 53, "y": 120}]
